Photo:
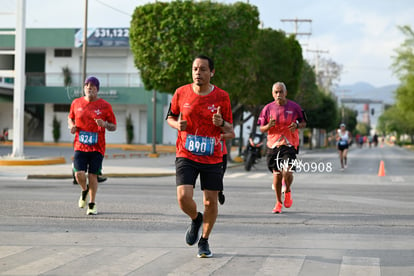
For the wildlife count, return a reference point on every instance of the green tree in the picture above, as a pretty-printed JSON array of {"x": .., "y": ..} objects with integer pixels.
[
  {"x": 328, "y": 75},
  {"x": 403, "y": 62},
  {"x": 349, "y": 117},
  {"x": 129, "y": 129},
  {"x": 321, "y": 109},
  {"x": 391, "y": 121},
  {"x": 363, "y": 128},
  {"x": 56, "y": 129},
  {"x": 308, "y": 96},
  {"x": 279, "y": 59},
  {"x": 394, "y": 121},
  {"x": 325, "y": 115},
  {"x": 165, "y": 37},
  {"x": 403, "y": 66}
]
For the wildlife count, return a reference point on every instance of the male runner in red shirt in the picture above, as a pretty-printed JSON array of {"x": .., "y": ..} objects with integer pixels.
[
  {"x": 200, "y": 112},
  {"x": 281, "y": 119},
  {"x": 89, "y": 117}
]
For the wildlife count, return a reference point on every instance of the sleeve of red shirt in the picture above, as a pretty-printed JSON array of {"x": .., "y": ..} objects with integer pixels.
[
  {"x": 175, "y": 109},
  {"x": 111, "y": 115},
  {"x": 71, "y": 112}
]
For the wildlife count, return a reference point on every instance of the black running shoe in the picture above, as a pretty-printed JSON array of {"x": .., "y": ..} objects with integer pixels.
[
  {"x": 204, "y": 249},
  {"x": 82, "y": 198},
  {"x": 221, "y": 197},
  {"x": 101, "y": 179},
  {"x": 193, "y": 232}
]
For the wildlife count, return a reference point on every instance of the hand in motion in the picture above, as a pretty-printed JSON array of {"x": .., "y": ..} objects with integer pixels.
[
  {"x": 181, "y": 124},
  {"x": 72, "y": 129},
  {"x": 293, "y": 126},
  {"x": 217, "y": 118},
  {"x": 272, "y": 122},
  {"x": 100, "y": 122}
]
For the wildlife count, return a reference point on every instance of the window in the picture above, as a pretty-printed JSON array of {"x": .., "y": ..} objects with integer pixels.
[
  {"x": 61, "y": 108},
  {"x": 63, "y": 52}
]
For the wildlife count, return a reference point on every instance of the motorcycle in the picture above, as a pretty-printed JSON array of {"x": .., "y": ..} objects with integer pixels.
[{"x": 253, "y": 151}]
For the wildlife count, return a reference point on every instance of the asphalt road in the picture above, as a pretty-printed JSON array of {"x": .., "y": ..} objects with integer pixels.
[{"x": 341, "y": 223}]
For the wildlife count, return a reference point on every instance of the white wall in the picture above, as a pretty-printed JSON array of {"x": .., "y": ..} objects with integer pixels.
[
  {"x": 104, "y": 64},
  {"x": 100, "y": 62},
  {"x": 54, "y": 65},
  {"x": 169, "y": 134}
]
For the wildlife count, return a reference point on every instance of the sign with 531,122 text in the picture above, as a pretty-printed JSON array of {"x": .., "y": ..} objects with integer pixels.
[{"x": 103, "y": 37}]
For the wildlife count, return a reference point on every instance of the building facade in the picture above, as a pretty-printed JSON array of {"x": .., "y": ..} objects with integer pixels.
[{"x": 54, "y": 78}]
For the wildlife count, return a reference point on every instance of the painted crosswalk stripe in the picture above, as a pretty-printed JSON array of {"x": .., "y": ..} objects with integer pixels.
[
  {"x": 234, "y": 175},
  {"x": 257, "y": 175},
  {"x": 194, "y": 267},
  {"x": 282, "y": 264},
  {"x": 50, "y": 262},
  {"x": 11, "y": 250},
  {"x": 360, "y": 266},
  {"x": 128, "y": 263},
  {"x": 397, "y": 179}
]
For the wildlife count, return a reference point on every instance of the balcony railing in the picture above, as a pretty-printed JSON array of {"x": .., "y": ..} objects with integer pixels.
[{"x": 57, "y": 79}]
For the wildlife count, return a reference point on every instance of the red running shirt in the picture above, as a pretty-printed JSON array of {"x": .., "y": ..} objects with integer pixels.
[
  {"x": 198, "y": 111},
  {"x": 89, "y": 136}
]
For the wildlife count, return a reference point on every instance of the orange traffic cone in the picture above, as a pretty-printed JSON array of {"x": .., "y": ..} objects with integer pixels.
[{"x": 381, "y": 171}]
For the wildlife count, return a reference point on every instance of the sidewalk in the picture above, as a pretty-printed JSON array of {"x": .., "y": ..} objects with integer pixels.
[{"x": 120, "y": 161}]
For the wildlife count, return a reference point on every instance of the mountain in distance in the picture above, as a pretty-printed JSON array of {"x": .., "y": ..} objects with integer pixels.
[{"x": 363, "y": 90}]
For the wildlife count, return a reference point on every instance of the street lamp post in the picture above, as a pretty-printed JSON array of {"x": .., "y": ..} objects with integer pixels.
[
  {"x": 85, "y": 43},
  {"x": 154, "y": 123},
  {"x": 19, "y": 80}
]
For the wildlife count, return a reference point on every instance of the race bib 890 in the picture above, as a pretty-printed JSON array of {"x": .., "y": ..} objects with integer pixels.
[
  {"x": 88, "y": 138},
  {"x": 200, "y": 145}
]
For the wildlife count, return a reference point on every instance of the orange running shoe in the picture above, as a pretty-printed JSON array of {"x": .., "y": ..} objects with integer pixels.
[
  {"x": 278, "y": 208},
  {"x": 288, "y": 200}
]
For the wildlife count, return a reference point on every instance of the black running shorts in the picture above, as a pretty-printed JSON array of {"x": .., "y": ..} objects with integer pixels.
[
  {"x": 342, "y": 147},
  {"x": 279, "y": 157},
  {"x": 90, "y": 162},
  {"x": 187, "y": 171}
]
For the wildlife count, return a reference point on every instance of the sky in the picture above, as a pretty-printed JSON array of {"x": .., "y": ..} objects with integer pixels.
[{"x": 359, "y": 35}]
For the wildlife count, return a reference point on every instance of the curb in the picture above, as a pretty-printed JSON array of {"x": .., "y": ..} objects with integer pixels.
[
  {"x": 32, "y": 162},
  {"x": 111, "y": 175}
]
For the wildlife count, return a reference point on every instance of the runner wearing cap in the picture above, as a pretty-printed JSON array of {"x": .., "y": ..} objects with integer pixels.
[
  {"x": 89, "y": 117},
  {"x": 343, "y": 138}
]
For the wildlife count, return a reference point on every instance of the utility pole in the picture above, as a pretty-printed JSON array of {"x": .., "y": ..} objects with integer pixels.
[
  {"x": 296, "y": 33},
  {"x": 296, "y": 22},
  {"x": 317, "y": 52},
  {"x": 154, "y": 123},
  {"x": 84, "y": 44},
  {"x": 342, "y": 92}
]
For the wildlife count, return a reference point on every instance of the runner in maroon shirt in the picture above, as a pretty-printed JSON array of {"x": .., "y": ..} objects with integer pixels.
[
  {"x": 200, "y": 112},
  {"x": 281, "y": 119}
]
